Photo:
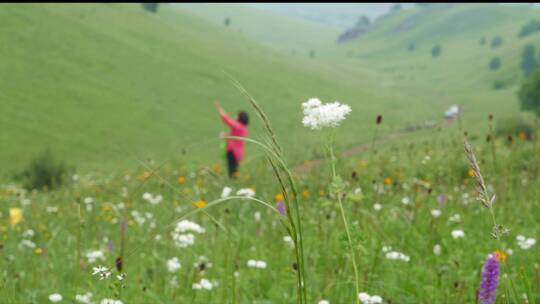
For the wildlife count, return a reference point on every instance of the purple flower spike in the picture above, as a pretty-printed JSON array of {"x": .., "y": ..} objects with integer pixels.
[
  {"x": 490, "y": 279},
  {"x": 281, "y": 207},
  {"x": 441, "y": 199}
]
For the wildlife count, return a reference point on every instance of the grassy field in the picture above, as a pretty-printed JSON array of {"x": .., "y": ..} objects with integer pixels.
[{"x": 126, "y": 96}]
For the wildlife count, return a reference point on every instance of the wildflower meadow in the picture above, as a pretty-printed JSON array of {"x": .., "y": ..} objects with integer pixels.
[{"x": 334, "y": 202}]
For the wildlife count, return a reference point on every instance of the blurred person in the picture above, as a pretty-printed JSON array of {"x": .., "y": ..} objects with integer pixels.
[{"x": 235, "y": 147}]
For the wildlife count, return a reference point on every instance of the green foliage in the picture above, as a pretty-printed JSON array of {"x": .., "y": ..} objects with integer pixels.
[
  {"x": 227, "y": 21},
  {"x": 151, "y": 7},
  {"x": 529, "y": 93},
  {"x": 312, "y": 53},
  {"x": 436, "y": 50},
  {"x": 496, "y": 42},
  {"x": 495, "y": 63},
  {"x": 514, "y": 125},
  {"x": 43, "y": 172},
  {"x": 530, "y": 28},
  {"x": 528, "y": 59}
]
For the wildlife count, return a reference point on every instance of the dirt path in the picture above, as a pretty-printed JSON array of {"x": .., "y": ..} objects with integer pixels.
[{"x": 307, "y": 166}]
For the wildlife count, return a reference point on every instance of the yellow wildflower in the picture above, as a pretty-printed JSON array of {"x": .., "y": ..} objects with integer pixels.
[
  {"x": 181, "y": 179},
  {"x": 279, "y": 197},
  {"x": 387, "y": 180},
  {"x": 500, "y": 255},
  {"x": 522, "y": 135},
  {"x": 15, "y": 216},
  {"x": 200, "y": 204},
  {"x": 304, "y": 194},
  {"x": 38, "y": 251},
  {"x": 471, "y": 172}
]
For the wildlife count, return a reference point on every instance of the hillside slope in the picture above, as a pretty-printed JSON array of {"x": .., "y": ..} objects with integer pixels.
[{"x": 102, "y": 83}]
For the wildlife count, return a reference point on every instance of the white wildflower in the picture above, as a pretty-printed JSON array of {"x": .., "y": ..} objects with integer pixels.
[
  {"x": 406, "y": 201},
  {"x": 318, "y": 115},
  {"x": 154, "y": 200},
  {"x": 324, "y": 302},
  {"x": 395, "y": 255},
  {"x": 84, "y": 298},
  {"x": 27, "y": 243},
  {"x": 256, "y": 264},
  {"x": 93, "y": 256},
  {"x": 111, "y": 301},
  {"x": 203, "y": 284},
  {"x": 287, "y": 239},
  {"x": 525, "y": 243},
  {"x": 173, "y": 265},
  {"x": 456, "y": 234},
  {"x": 102, "y": 272},
  {"x": 226, "y": 192},
  {"x": 183, "y": 239},
  {"x": 55, "y": 297},
  {"x": 246, "y": 192},
  {"x": 257, "y": 216},
  {"x": 28, "y": 233},
  {"x": 377, "y": 206},
  {"x": 437, "y": 249},
  {"x": 365, "y": 298},
  {"x": 436, "y": 213}
]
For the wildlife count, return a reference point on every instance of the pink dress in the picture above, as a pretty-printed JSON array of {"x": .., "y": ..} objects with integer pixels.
[{"x": 237, "y": 129}]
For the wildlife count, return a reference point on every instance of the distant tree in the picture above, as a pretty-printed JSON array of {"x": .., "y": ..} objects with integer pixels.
[
  {"x": 227, "y": 21},
  {"x": 483, "y": 40},
  {"x": 495, "y": 63},
  {"x": 529, "y": 93},
  {"x": 528, "y": 59},
  {"x": 496, "y": 41},
  {"x": 363, "y": 22},
  {"x": 412, "y": 46},
  {"x": 312, "y": 53},
  {"x": 530, "y": 28},
  {"x": 499, "y": 85},
  {"x": 436, "y": 50},
  {"x": 151, "y": 7}
]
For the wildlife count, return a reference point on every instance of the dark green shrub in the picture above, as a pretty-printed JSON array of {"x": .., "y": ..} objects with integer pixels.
[
  {"x": 528, "y": 59},
  {"x": 151, "y": 7},
  {"x": 516, "y": 127},
  {"x": 530, "y": 28},
  {"x": 227, "y": 21},
  {"x": 496, "y": 42},
  {"x": 529, "y": 93},
  {"x": 495, "y": 63},
  {"x": 312, "y": 53},
  {"x": 43, "y": 172},
  {"x": 412, "y": 46},
  {"x": 436, "y": 50}
]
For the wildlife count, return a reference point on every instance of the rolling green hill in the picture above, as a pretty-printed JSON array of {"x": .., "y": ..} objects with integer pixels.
[{"x": 102, "y": 83}]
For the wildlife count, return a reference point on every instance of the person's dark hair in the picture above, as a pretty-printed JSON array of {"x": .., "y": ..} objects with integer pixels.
[{"x": 243, "y": 118}]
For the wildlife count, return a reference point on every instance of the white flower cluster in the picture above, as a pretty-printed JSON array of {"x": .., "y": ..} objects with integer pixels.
[
  {"x": 181, "y": 236},
  {"x": 88, "y": 201},
  {"x": 323, "y": 301},
  {"x": 455, "y": 218},
  {"x": 246, "y": 192},
  {"x": 226, "y": 192},
  {"x": 318, "y": 115},
  {"x": 203, "y": 284},
  {"x": 365, "y": 298},
  {"x": 377, "y": 207},
  {"x": 289, "y": 241},
  {"x": 406, "y": 201},
  {"x": 456, "y": 234},
  {"x": 94, "y": 255},
  {"x": 525, "y": 243},
  {"x": 55, "y": 297},
  {"x": 173, "y": 265},
  {"x": 84, "y": 298},
  {"x": 154, "y": 200},
  {"x": 394, "y": 255},
  {"x": 202, "y": 260},
  {"x": 102, "y": 272},
  {"x": 111, "y": 301},
  {"x": 256, "y": 264},
  {"x": 436, "y": 213},
  {"x": 437, "y": 249}
]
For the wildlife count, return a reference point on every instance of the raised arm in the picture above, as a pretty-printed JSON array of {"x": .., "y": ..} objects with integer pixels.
[{"x": 229, "y": 121}]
